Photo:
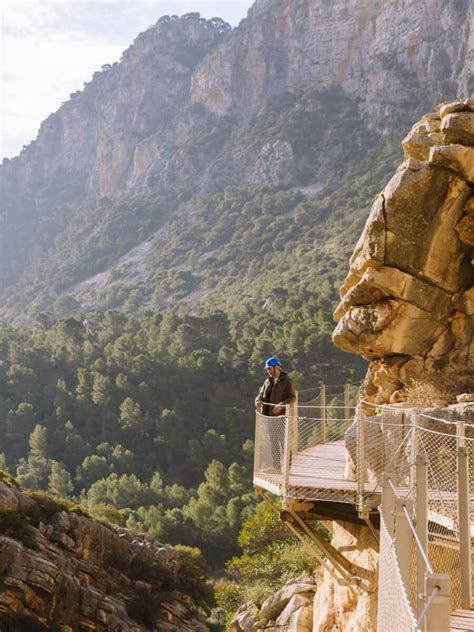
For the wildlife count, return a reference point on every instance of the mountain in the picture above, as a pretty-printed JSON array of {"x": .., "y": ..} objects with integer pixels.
[{"x": 209, "y": 154}]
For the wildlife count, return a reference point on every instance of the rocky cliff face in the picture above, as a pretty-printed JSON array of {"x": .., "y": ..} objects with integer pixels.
[
  {"x": 179, "y": 113},
  {"x": 61, "y": 570},
  {"x": 324, "y": 605},
  {"x": 380, "y": 52},
  {"x": 407, "y": 302}
]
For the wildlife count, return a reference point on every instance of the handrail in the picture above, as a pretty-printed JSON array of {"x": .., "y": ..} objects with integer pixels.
[
  {"x": 399, "y": 409},
  {"x": 428, "y": 497},
  {"x": 417, "y": 540}
]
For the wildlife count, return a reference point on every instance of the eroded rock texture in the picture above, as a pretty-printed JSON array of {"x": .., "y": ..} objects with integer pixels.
[
  {"x": 288, "y": 610},
  {"x": 340, "y": 608},
  {"x": 63, "y": 571},
  {"x": 407, "y": 304}
]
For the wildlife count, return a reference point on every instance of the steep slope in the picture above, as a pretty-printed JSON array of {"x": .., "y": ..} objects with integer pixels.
[
  {"x": 299, "y": 91},
  {"x": 407, "y": 302},
  {"x": 62, "y": 570}
]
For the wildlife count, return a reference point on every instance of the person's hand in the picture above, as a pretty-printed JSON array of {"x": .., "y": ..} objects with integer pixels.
[
  {"x": 259, "y": 406},
  {"x": 278, "y": 410}
]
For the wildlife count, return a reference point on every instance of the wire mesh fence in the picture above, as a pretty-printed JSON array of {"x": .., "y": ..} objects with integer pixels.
[
  {"x": 270, "y": 448},
  {"x": 321, "y": 450},
  {"x": 444, "y": 498},
  {"x": 395, "y": 612}
]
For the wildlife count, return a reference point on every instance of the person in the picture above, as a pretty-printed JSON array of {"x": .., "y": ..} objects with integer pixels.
[
  {"x": 276, "y": 392},
  {"x": 278, "y": 389}
]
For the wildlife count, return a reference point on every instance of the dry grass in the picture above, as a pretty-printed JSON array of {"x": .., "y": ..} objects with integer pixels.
[{"x": 439, "y": 389}]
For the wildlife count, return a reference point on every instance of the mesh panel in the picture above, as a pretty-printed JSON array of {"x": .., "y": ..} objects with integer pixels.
[
  {"x": 269, "y": 448},
  {"x": 334, "y": 458},
  {"x": 394, "y": 610}
]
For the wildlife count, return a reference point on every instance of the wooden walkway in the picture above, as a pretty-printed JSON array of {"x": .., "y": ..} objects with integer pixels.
[
  {"x": 462, "y": 620},
  {"x": 316, "y": 473}
]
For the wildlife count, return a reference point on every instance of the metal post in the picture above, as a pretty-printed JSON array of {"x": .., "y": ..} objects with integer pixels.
[
  {"x": 360, "y": 458},
  {"x": 403, "y": 539},
  {"x": 421, "y": 525},
  {"x": 322, "y": 397},
  {"x": 294, "y": 426},
  {"x": 414, "y": 447},
  {"x": 256, "y": 456},
  {"x": 286, "y": 454},
  {"x": 464, "y": 528},
  {"x": 388, "y": 504},
  {"x": 347, "y": 413},
  {"x": 438, "y": 617}
]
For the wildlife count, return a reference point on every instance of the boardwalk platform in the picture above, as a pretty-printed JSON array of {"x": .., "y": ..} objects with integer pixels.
[
  {"x": 315, "y": 474},
  {"x": 462, "y": 621},
  {"x": 424, "y": 525},
  {"x": 318, "y": 474}
]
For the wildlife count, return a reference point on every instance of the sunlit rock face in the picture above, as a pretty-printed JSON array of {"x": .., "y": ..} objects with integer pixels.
[
  {"x": 62, "y": 570},
  {"x": 407, "y": 302}
]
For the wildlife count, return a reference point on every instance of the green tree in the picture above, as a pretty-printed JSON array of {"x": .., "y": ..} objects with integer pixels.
[{"x": 60, "y": 482}]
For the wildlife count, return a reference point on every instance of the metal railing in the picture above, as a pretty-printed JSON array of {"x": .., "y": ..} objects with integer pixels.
[
  {"x": 279, "y": 439},
  {"x": 427, "y": 463},
  {"x": 424, "y": 469}
]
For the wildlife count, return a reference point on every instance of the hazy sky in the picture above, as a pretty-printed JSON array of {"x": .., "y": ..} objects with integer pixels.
[{"x": 49, "y": 48}]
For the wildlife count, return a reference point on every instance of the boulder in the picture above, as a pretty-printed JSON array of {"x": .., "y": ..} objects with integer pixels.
[
  {"x": 245, "y": 618},
  {"x": 274, "y": 605},
  {"x": 458, "y": 127},
  {"x": 421, "y": 138},
  {"x": 297, "y": 616},
  {"x": 458, "y": 158},
  {"x": 461, "y": 105}
]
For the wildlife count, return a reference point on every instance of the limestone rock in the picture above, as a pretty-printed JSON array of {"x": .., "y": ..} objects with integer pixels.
[
  {"x": 297, "y": 616},
  {"x": 458, "y": 128},
  {"x": 275, "y": 165},
  {"x": 272, "y": 606},
  {"x": 340, "y": 608},
  {"x": 469, "y": 208},
  {"x": 66, "y": 571},
  {"x": 409, "y": 288},
  {"x": 461, "y": 105},
  {"x": 465, "y": 398},
  {"x": 421, "y": 138},
  {"x": 455, "y": 157},
  {"x": 465, "y": 230},
  {"x": 245, "y": 619},
  {"x": 386, "y": 327}
]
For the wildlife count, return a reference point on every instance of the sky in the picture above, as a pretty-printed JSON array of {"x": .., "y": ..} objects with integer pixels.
[{"x": 50, "y": 48}]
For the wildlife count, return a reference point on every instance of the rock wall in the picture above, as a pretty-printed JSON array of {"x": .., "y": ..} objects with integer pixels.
[
  {"x": 184, "y": 77},
  {"x": 338, "y": 608},
  {"x": 288, "y": 610},
  {"x": 61, "y": 570},
  {"x": 407, "y": 304},
  {"x": 324, "y": 605},
  {"x": 379, "y": 51}
]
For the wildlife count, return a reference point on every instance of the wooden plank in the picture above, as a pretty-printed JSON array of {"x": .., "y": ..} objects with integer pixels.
[{"x": 462, "y": 621}]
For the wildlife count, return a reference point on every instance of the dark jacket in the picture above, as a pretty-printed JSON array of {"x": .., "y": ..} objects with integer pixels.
[{"x": 281, "y": 391}]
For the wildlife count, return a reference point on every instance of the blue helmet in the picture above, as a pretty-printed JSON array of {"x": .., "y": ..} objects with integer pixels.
[{"x": 272, "y": 362}]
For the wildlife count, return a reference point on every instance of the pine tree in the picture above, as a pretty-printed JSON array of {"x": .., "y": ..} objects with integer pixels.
[{"x": 60, "y": 482}]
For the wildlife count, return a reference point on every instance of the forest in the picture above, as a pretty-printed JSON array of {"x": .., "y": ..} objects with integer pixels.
[{"x": 147, "y": 421}]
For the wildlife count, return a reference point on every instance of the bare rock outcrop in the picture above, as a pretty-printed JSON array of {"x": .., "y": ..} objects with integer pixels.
[
  {"x": 342, "y": 608},
  {"x": 407, "y": 302},
  {"x": 288, "y": 610},
  {"x": 61, "y": 568}
]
